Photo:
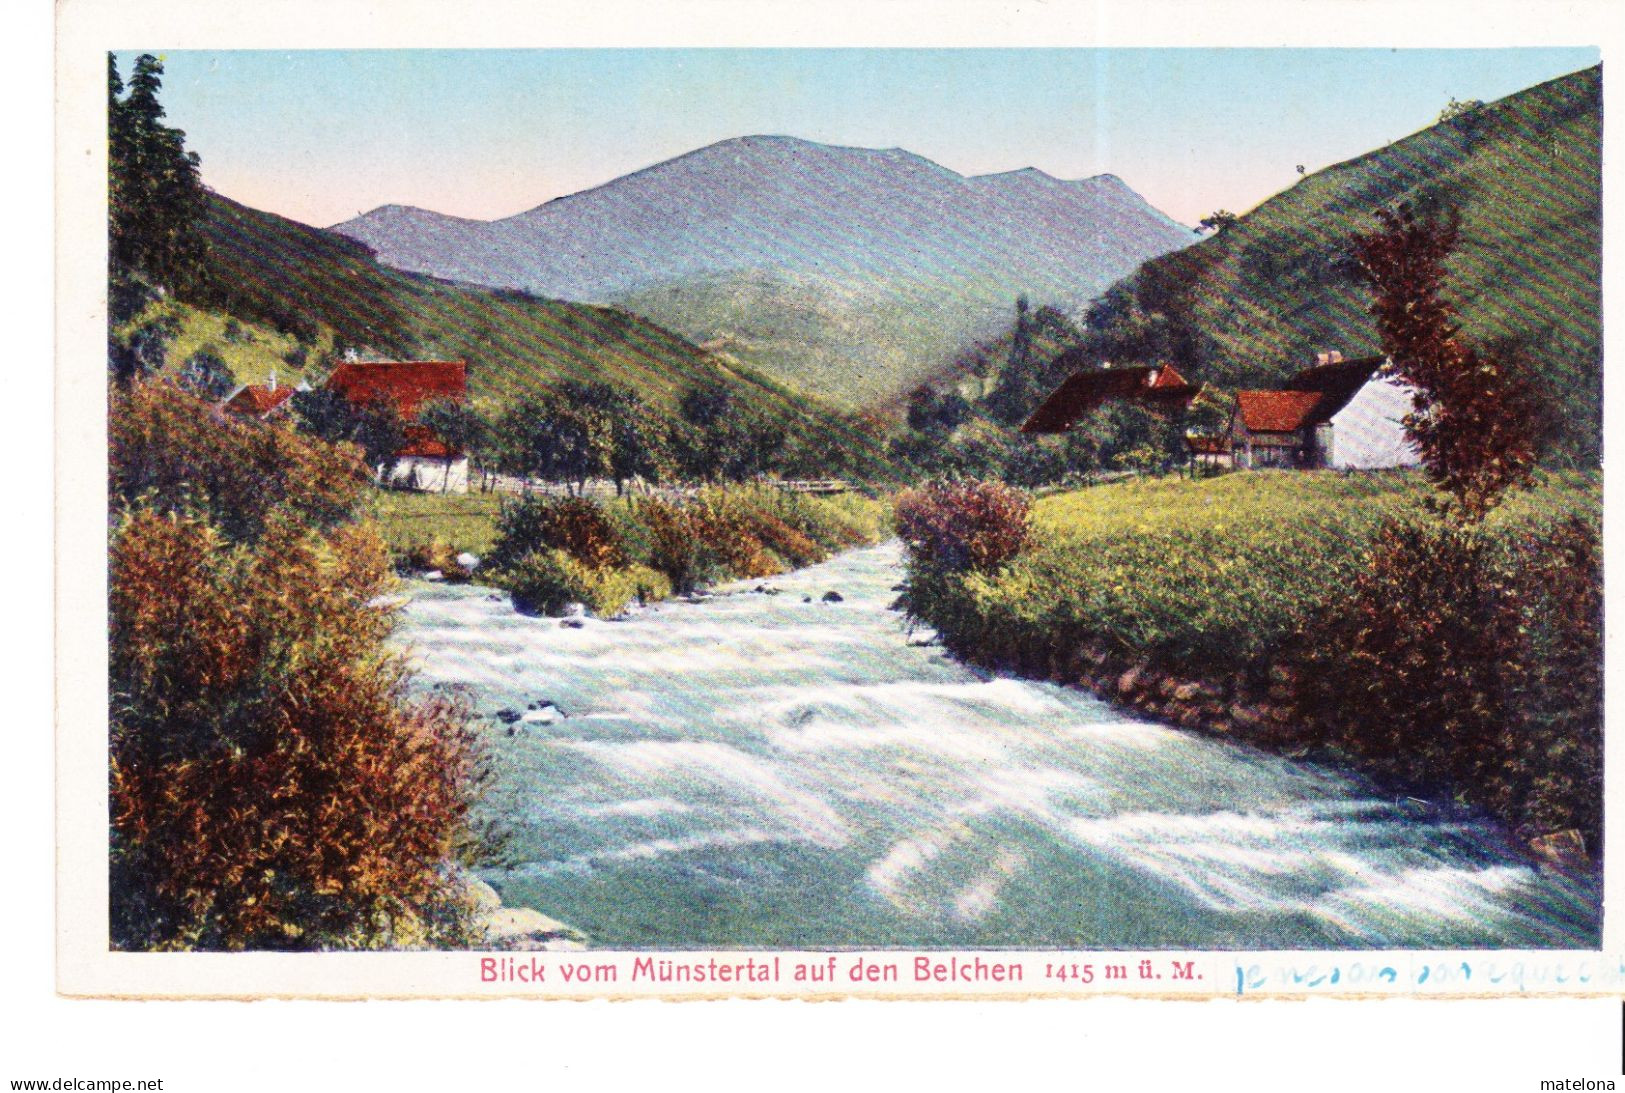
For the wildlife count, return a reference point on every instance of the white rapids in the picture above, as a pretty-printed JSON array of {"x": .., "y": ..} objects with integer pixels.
[{"x": 772, "y": 770}]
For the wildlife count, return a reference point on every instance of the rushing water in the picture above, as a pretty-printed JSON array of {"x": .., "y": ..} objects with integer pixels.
[{"x": 775, "y": 771}]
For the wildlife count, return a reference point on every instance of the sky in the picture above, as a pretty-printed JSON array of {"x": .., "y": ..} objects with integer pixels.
[{"x": 321, "y": 136}]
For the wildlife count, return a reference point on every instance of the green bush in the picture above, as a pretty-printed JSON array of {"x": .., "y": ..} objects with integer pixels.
[
  {"x": 436, "y": 554},
  {"x": 650, "y": 585},
  {"x": 576, "y": 525},
  {"x": 662, "y": 546},
  {"x": 547, "y": 582}
]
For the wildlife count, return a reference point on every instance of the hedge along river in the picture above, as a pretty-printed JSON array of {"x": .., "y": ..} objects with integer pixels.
[{"x": 762, "y": 770}]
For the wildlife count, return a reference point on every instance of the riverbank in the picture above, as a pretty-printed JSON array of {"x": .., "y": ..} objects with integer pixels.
[
  {"x": 558, "y": 554},
  {"x": 1287, "y": 611}
]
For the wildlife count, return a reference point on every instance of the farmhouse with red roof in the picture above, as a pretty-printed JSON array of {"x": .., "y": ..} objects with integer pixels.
[
  {"x": 1159, "y": 388},
  {"x": 425, "y": 461},
  {"x": 1340, "y": 414},
  {"x": 260, "y": 400}
]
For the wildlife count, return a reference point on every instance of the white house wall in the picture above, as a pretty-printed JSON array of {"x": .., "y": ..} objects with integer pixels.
[
  {"x": 1369, "y": 433},
  {"x": 431, "y": 475}
]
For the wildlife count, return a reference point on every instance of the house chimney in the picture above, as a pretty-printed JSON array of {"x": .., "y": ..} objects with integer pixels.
[{"x": 273, "y": 377}]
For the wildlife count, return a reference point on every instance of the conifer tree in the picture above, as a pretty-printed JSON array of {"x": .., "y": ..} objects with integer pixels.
[{"x": 156, "y": 199}]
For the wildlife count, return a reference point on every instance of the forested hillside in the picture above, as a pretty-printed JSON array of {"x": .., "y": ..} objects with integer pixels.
[{"x": 326, "y": 289}]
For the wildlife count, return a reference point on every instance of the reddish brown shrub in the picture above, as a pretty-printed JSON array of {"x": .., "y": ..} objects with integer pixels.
[
  {"x": 171, "y": 451},
  {"x": 676, "y": 543},
  {"x": 785, "y": 541},
  {"x": 1465, "y": 666},
  {"x": 965, "y": 525},
  {"x": 271, "y": 784},
  {"x": 727, "y": 528},
  {"x": 271, "y": 787},
  {"x": 1559, "y": 608}
]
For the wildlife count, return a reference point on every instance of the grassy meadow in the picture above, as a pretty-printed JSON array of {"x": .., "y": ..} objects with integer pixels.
[
  {"x": 460, "y": 521},
  {"x": 1322, "y": 609}
]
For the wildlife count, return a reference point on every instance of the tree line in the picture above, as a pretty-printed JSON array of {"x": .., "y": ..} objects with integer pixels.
[{"x": 574, "y": 432}]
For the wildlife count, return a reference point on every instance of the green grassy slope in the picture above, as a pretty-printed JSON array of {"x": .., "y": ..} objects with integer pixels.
[
  {"x": 855, "y": 343},
  {"x": 1525, "y": 175},
  {"x": 250, "y": 350},
  {"x": 1255, "y": 302},
  {"x": 323, "y": 287}
]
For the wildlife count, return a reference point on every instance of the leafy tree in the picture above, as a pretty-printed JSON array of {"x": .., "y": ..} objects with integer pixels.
[
  {"x": 1037, "y": 463},
  {"x": 1477, "y": 419},
  {"x": 1018, "y": 387},
  {"x": 929, "y": 412},
  {"x": 1459, "y": 108},
  {"x": 140, "y": 351},
  {"x": 455, "y": 424},
  {"x": 594, "y": 408},
  {"x": 380, "y": 431},
  {"x": 545, "y": 437},
  {"x": 1021, "y": 344},
  {"x": 1209, "y": 412},
  {"x": 1220, "y": 221},
  {"x": 206, "y": 374},
  {"x": 637, "y": 441},
  {"x": 708, "y": 446},
  {"x": 323, "y": 413},
  {"x": 707, "y": 405},
  {"x": 377, "y": 428}
]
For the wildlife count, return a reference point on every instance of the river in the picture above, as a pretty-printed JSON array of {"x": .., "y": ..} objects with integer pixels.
[{"x": 766, "y": 770}]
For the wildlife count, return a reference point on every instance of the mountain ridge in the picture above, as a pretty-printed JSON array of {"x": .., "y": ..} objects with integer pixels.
[
  {"x": 665, "y": 237},
  {"x": 392, "y": 207}
]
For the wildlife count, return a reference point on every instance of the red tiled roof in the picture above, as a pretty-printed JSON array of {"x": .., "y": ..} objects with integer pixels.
[
  {"x": 1088, "y": 390},
  {"x": 405, "y": 384},
  {"x": 258, "y": 399},
  {"x": 424, "y": 444},
  {"x": 1278, "y": 411}
]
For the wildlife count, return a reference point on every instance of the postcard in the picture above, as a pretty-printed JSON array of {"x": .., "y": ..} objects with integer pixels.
[{"x": 573, "y": 517}]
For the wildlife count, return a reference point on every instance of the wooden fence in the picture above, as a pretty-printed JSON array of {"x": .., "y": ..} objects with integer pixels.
[{"x": 603, "y": 488}]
